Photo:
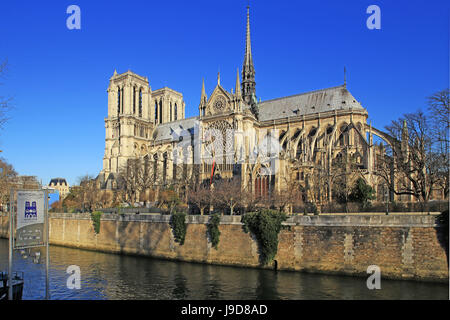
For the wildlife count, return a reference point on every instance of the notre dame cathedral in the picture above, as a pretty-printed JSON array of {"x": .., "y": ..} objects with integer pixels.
[{"x": 264, "y": 144}]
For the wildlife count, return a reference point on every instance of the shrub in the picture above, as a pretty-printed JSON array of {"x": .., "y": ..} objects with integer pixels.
[
  {"x": 178, "y": 225},
  {"x": 213, "y": 230},
  {"x": 362, "y": 193},
  {"x": 96, "y": 218},
  {"x": 265, "y": 226}
]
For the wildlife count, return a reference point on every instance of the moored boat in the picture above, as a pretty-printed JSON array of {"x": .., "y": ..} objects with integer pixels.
[{"x": 17, "y": 283}]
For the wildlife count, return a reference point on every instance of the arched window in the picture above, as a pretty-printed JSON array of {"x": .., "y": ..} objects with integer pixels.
[
  {"x": 118, "y": 101},
  {"x": 299, "y": 148},
  {"x": 176, "y": 112},
  {"x": 121, "y": 100},
  {"x": 343, "y": 137},
  {"x": 140, "y": 102},
  {"x": 160, "y": 112},
  {"x": 134, "y": 100},
  {"x": 164, "y": 167},
  {"x": 156, "y": 111},
  {"x": 170, "y": 113}
]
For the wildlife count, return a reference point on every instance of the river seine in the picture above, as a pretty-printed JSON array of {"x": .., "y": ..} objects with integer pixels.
[{"x": 106, "y": 276}]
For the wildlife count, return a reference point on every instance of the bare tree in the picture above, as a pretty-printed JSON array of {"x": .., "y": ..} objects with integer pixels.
[
  {"x": 7, "y": 177},
  {"x": 127, "y": 179},
  {"x": 169, "y": 198},
  {"x": 290, "y": 194},
  {"x": 412, "y": 165},
  {"x": 249, "y": 200},
  {"x": 201, "y": 197},
  {"x": 340, "y": 179},
  {"x": 145, "y": 177},
  {"x": 439, "y": 109},
  {"x": 88, "y": 193},
  {"x": 227, "y": 193}
]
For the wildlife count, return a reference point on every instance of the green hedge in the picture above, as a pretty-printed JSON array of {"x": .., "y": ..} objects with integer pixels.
[
  {"x": 178, "y": 224},
  {"x": 96, "y": 218},
  {"x": 265, "y": 225},
  {"x": 213, "y": 230}
]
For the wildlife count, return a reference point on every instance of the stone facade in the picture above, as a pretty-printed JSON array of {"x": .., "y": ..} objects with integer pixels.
[
  {"x": 265, "y": 144},
  {"x": 61, "y": 185},
  {"x": 403, "y": 246}
]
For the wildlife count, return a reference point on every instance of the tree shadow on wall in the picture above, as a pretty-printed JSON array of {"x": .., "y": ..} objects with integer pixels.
[{"x": 442, "y": 231}]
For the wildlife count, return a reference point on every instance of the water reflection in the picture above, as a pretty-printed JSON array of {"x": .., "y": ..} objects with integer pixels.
[{"x": 109, "y": 276}]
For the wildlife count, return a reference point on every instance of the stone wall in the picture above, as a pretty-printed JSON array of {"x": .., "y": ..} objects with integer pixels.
[{"x": 403, "y": 246}]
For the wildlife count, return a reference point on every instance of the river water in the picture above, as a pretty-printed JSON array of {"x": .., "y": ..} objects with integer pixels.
[{"x": 110, "y": 277}]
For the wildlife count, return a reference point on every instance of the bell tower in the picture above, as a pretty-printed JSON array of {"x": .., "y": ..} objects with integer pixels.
[{"x": 129, "y": 119}]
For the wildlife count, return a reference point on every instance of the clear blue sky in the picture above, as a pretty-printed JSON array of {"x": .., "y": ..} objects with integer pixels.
[{"x": 58, "y": 77}]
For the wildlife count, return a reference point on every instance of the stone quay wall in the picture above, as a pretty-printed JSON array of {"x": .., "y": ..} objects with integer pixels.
[{"x": 403, "y": 246}]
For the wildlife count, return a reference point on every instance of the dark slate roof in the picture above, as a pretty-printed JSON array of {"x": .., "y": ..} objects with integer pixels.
[
  {"x": 335, "y": 98},
  {"x": 55, "y": 181},
  {"x": 166, "y": 130}
]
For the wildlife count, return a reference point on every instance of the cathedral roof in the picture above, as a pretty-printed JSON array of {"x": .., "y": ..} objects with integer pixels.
[
  {"x": 330, "y": 99},
  {"x": 56, "y": 181},
  {"x": 171, "y": 130}
]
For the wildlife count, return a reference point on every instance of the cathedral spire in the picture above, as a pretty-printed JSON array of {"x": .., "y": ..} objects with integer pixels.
[
  {"x": 248, "y": 70},
  {"x": 203, "y": 97},
  {"x": 238, "y": 85},
  {"x": 248, "y": 60}
]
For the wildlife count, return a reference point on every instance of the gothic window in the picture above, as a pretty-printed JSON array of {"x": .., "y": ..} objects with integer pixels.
[
  {"x": 220, "y": 138},
  {"x": 143, "y": 150},
  {"x": 165, "y": 167},
  {"x": 262, "y": 186},
  {"x": 359, "y": 140},
  {"x": 329, "y": 130},
  {"x": 134, "y": 100},
  {"x": 155, "y": 166},
  {"x": 343, "y": 137},
  {"x": 156, "y": 111},
  {"x": 160, "y": 112},
  {"x": 299, "y": 148},
  {"x": 140, "y": 102},
  {"x": 121, "y": 100},
  {"x": 176, "y": 112},
  {"x": 118, "y": 101},
  {"x": 170, "y": 113}
]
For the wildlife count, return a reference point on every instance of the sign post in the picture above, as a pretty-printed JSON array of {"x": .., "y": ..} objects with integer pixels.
[
  {"x": 11, "y": 245},
  {"x": 47, "y": 240},
  {"x": 32, "y": 223}
]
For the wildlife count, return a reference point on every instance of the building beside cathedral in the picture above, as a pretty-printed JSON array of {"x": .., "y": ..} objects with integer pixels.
[{"x": 264, "y": 144}]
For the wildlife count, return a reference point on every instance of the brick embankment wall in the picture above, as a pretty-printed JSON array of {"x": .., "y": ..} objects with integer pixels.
[{"x": 403, "y": 246}]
